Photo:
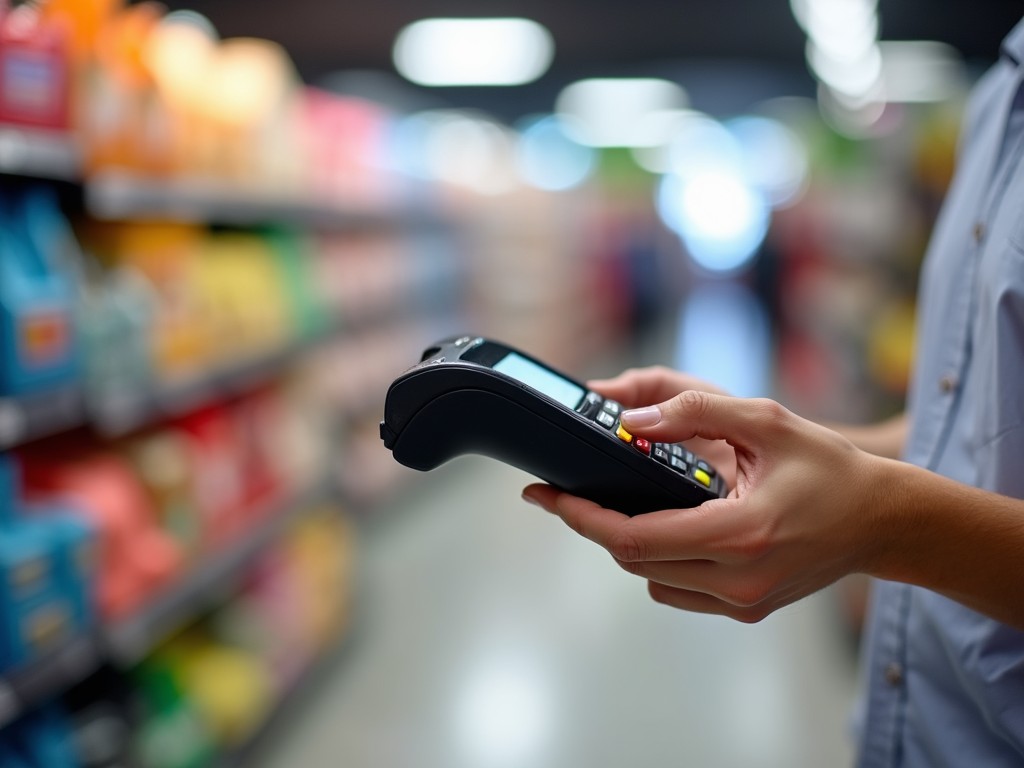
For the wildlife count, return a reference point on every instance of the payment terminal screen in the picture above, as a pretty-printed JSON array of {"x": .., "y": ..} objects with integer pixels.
[{"x": 541, "y": 379}]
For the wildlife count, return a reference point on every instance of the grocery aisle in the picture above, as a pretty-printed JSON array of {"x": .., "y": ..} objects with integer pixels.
[{"x": 489, "y": 635}]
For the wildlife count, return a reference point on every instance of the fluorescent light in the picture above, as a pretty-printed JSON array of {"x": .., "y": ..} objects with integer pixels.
[
  {"x": 611, "y": 112},
  {"x": 815, "y": 14},
  {"x": 921, "y": 70},
  {"x": 857, "y": 78},
  {"x": 460, "y": 52}
]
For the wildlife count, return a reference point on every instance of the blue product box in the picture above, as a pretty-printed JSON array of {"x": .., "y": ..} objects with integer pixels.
[
  {"x": 27, "y": 564},
  {"x": 75, "y": 549},
  {"x": 36, "y": 627},
  {"x": 38, "y": 348}
]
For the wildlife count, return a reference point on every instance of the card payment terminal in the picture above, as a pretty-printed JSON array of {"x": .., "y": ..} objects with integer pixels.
[{"x": 473, "y": 395}]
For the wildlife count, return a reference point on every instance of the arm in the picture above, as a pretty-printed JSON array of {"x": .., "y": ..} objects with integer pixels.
[
  {"x": 886, "y": 438},
  {"x": 807, "y": 507},
  {"x": 963, "y": 542}
]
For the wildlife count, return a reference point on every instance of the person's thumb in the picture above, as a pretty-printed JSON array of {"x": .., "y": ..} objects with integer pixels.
[{"x": 702, "y": 414}]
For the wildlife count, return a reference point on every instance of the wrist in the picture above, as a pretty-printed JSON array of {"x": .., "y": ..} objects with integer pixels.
[{"x": 892, "y": 532}]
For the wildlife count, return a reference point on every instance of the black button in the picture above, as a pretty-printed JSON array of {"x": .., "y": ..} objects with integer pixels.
[
  {"x": 660, "y": 454},
  {"x": 606, "y": 420},
  {"x": 676, "y": 450},
  {"x": 678, "y": 463},
  {"x": 591, "y": 405}
]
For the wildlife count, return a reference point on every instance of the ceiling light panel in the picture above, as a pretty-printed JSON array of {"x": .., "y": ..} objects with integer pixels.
[{"x": 473, "y": 52}]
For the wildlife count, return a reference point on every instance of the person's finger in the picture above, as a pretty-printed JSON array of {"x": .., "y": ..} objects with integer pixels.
[
  {"x": 588, "y": 519},
  {"x": 690, "y": 414},
  {"x": 707, "y": 532},
  {"x": 743, "y": 587},
  {"x": 541, "y": 495},
  {"x": 638, "y": 386},
  {"x": 699, "y": 602}
]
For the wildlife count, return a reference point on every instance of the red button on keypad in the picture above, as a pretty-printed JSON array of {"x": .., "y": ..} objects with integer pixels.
[{"x": 644, "y": 446}]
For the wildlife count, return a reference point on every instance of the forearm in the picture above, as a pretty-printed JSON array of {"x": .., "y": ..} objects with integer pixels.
[
  {"x": 960, "y": 541},
  {"x": 885, "y": 439}
]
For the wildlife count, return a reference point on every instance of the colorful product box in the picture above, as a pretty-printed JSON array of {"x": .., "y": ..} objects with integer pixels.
[
  {"x": 34, "y": 627},
  {"x": 34, "y": 71},
  {"x": 74, "y": 545},
  {"x": 28, "y": 565},
  {"x": 38, "y": 350}
]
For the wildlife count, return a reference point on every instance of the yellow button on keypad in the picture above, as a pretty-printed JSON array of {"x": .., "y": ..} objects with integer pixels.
[
  {"x": 702, "y": 477},
  {"x": 623, "y": 435}
]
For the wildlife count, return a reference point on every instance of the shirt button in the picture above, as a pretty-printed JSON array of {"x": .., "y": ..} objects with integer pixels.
[
  {"x": 894, "y": 675},
  {"x": 978, "y": 231},
  {"x": 947, "y": 384}
]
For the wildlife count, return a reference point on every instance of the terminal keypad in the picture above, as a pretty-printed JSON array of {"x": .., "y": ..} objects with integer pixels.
[{"x": 606, "y": 413}]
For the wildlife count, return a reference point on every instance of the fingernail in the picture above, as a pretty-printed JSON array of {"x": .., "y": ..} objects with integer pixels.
[
  {"x": 531, "y": 500},
  {"x": 642, "y": 417}
]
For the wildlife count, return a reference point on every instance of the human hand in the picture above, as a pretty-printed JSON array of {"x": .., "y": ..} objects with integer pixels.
[
  {"x": 638, "y": 387},
  {"x": 798, "y": 517}
]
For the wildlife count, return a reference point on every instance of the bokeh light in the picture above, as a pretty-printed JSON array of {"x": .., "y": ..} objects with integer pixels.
[{"x": 548, "y": 158}]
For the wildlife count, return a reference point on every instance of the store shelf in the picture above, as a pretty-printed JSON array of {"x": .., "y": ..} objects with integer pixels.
[
  {"x": 30, "y": 417},
  {"x": 24, "y": 689},
  {"x": 119, "y": 196},
  {"x": 117, "y": 413},
  {"x": 128, "y": 641},
  {"x": 39, "y": 153}
]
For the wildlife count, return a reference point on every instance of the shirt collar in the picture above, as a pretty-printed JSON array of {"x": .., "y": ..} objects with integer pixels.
[{"x": 1013, "y": 44}]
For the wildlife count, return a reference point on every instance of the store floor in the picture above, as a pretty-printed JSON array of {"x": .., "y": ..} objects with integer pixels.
[{"x": 488, "y": 635}]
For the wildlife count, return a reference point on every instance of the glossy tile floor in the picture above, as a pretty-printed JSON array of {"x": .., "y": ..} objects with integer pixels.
[{"x": 488, "y": 635}]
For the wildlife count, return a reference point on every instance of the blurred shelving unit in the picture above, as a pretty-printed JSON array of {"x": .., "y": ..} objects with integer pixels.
[
  {"x": 127, "y": 641},
  {"x": 117, "y": 196},
  {"x": 33, "y": 416},
  {"x": 25, "y": 688},
  {"x": 243, "y": 284},
  {"x": 39, "y": 153},
  {"x": 113, "y": 414}
]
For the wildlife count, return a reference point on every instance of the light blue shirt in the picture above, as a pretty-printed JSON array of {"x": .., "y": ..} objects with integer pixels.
[{"x": 945, "y": 685}]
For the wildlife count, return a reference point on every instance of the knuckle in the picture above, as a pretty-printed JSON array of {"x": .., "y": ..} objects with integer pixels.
[
  {"x": 752, "y": 546},
  {"x": 626, "y": 547},
  {"x": 693, "y": 402},
  {"x": 772, "y": 412},
  {"x": 747, "y": 595},
  {"x": 752, "y": 615}
]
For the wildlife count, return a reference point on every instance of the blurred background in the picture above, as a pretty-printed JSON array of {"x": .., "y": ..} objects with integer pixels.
[{"x": 227, "y": 225}]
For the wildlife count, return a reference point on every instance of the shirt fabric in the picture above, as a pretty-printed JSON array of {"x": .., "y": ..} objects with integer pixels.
[{"x": 944, "y": 684}]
